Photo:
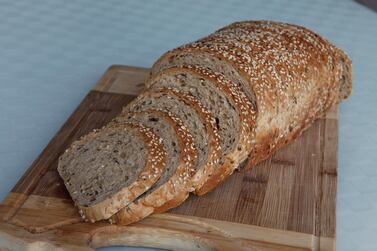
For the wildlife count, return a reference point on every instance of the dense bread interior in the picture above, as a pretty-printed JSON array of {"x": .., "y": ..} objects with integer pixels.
[
  {"x": 227, "y": 119},
  {"x": 165, "y": 131},
  {"x": 185, "y": 112},
  {"x": 103, "y": 165}
]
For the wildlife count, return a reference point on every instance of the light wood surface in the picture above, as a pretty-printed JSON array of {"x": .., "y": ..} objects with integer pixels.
[{"x": 285, "y": 203}]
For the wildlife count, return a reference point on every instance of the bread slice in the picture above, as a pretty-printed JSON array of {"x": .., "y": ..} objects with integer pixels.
[
  {"x": 177, "y": 176},
  {"x": 234, "y": 113},
  {"x": 294, "y": 75},
  {"x": 109, "y": 168},
  {"x": 198, "y": 119}
]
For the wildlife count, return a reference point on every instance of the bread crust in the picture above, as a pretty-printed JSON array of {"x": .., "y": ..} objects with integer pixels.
[
  {"x": 156, "y": 161},
  {"x": 180, "y": 181},
  {"x": 178, "y": 200}
]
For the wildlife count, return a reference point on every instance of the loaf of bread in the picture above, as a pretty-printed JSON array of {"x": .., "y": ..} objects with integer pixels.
[{"x": 240, "y": 93}]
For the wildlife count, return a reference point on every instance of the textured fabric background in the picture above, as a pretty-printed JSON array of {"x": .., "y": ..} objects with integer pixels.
[{"x": 52, "y": 52}]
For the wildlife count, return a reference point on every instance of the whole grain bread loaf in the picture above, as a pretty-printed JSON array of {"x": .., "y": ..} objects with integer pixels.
[{"x": 242, "y": 92}]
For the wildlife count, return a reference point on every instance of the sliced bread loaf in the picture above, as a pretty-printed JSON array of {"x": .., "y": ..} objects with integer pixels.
[
  {"x": 252, "y": 86},
  {"x": 176, "y": 178},
  {"x": 108, "y": 168},
  {"x": 294, "y": 75},
  {"x": 234, "y": 114}
]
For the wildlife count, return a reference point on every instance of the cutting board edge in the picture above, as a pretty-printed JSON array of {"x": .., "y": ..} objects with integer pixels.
[
  {"x": 208, "y": 234},
  {"x": 106, "y": 82}
]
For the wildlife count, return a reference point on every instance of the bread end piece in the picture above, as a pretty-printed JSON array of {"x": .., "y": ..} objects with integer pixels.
[{"x": 345, "y": 87}]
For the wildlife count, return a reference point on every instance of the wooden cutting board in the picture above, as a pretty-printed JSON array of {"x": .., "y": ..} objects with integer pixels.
[{"x": 285, "y": 203}]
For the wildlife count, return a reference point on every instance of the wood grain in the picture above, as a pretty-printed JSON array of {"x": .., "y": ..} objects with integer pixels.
[{"x": 285, "y": 203}]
